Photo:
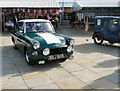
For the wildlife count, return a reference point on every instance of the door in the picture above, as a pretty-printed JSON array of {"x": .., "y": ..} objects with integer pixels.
[
  {"x": 98, "y": 25},
  {"x": 105, "y": 27},
  {"x": 114, "y": 27},
  {"x": 20, "y": 36}
]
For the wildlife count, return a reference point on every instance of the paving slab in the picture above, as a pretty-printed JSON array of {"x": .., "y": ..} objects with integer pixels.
[
  {"x": 109, "y": 63},
  {"x": 70, "y": 82},
  {"x": 98, "y": 69},
  {"x": 105, "y": 73},
  {"x": 22, "y": 87},
  {"x": 48, "y": 86},
  {"x": 12, "y": 82},
  {"x": 106, "y": 90},
  {"x": 57, "y": 73},
  {"x": 86, "y": 75},
  {"x": 114, "y": 77},
  {"x": 38, "y": 81},
  {"x": 102, "y": 83},
  {"x": 32, "y": 75},
  {"x": 71, "y": 67}
]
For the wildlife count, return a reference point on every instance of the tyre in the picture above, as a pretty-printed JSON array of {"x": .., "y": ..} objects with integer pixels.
[
  {"x": 28, "y": 59},
  {"x": 98, "y": 38}
]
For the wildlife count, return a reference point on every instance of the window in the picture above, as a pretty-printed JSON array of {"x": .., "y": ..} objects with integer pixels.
[
  {"x": 38, "y": 27},
  {"x": 98, "y": 22},
  {"x": 114, "y": 22},
  {"x": 104, "y": 22},
  {"x": 19, "y": 26}
]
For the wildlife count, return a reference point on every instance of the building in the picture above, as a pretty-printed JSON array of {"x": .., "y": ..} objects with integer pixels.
[
  {"x": 66, "y": 10},
  {"x": 22, "y": 9},
  {"x": 87, "y": 8}
]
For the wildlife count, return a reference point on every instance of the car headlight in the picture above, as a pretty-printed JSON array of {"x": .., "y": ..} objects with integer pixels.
[
  {"x": 36, "y": 45},
  {"x": 72, "y": 42},
  {"x": 46, "y": 51},
  {"x": 69, "y": 48}
]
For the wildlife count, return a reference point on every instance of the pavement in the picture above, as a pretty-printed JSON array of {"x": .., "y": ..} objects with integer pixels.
[{"x": 93, "y": 68}]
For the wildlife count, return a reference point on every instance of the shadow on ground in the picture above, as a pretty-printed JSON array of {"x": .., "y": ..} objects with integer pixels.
[
  {"x": 109, "y": 82},
  {"x": 72, "y": 32},
  {"x": 13, "y": 62},
  {"x": 93, "y": 48}
]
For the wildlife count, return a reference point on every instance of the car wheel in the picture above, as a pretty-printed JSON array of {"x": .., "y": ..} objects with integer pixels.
[
  {"x": 28, "y": 59},
  {"x": 98, "y": 39}
]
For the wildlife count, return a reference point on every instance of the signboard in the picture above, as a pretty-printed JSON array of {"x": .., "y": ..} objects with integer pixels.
[{"x": 68, "y": 10}]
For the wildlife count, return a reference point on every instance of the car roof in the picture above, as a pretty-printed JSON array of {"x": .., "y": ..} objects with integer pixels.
[
  {"x": 107, "y": 17},
  {"x": 34, "y": 20}
]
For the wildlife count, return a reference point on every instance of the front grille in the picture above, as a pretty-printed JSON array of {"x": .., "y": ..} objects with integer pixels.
[{"x": 58, "y": 51}]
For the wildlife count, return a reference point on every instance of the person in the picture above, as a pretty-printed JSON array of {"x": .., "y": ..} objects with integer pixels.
[
  {"x": 48, "y": 17},
  {"x": 52, "y": 21},
  {"x": 56, "y": 21},
  {"x": 9, "y": 25}
]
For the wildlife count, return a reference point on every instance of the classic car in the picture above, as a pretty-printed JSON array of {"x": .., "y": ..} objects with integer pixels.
[
  {"x": 39, "y": 41},
  {"x": 106, "y": 28}
]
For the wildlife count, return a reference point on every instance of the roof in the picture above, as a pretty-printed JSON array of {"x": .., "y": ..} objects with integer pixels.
[
  {"x": 98, "y": 3},
  {"x": 79, "y": 4},
  {"x": 66, "y": 4},
  {"x": 34, "y": 20},
  {"x": 30, "y": 3},
  {"x": 107, "y": 17}
]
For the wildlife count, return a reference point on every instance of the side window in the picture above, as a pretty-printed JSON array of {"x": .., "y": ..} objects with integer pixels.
[
  {"x": 104, "y": 22},
  {"x": 114, "y": 22},
  {"x": 20, "y": 27},
  {"x": 98, "y": 22}
]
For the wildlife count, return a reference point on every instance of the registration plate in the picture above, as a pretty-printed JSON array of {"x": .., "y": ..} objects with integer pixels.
[{"x": 54, "y": 57}]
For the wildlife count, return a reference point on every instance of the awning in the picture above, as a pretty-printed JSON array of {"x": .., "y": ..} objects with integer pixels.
[
  {"x": 79, "y": 4},
  {"x": 30, "y": 3}
]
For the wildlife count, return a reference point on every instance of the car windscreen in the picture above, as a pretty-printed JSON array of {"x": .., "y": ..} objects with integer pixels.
[{"x": 39, "y": 27}]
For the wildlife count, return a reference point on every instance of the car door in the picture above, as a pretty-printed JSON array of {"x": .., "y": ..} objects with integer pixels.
[
  {"x": 20, "y": 42},
  {"x": 105, "y": 27},
  {"x": 114, "y": 27}
]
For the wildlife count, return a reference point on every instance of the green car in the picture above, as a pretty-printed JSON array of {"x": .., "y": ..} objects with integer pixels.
[{"x": 39, "y": 42}]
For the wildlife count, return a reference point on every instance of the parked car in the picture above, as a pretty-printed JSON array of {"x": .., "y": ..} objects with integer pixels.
[
  {"x": 106, "y": 28},
  {"x": 39, "y": 42}
]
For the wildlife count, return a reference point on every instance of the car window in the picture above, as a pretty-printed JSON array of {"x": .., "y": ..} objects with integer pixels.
[
  {"x": 20, "y": 26},
  {"x": 39, "y": 27},
  {"x": 104, "y": 22},
  {"x": 114, "y": 22},
  {"x": 98, "y": 22}
]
